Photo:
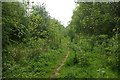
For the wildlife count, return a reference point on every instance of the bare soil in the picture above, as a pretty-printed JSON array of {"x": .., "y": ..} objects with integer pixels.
[{"x": 56, "y": 72}]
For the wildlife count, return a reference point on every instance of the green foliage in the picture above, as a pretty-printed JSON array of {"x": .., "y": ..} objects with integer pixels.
[
  {"x": 97, "y": 18},
  {"x": 34, "y": 44},
  {"x": 13, "y": 23},
  {"x": 93, "y": 32},
  {"x": 93, "y": 60}
]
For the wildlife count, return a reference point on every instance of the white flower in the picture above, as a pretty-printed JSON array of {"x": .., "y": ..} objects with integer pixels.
[{"x": 103, "y": 71}]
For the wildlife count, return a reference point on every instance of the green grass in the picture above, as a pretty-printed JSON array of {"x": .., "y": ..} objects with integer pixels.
[
  {"x": 42, "y": 62},
  {"x": 97, "y": 68},
  {"x": 33, "y": 62},
  {"x": 90, "y": 64}
]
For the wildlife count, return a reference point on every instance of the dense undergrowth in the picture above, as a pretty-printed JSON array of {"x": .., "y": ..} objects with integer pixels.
[
  {"x": 97, "y": 61},
  {"x": 27, "y": 62},
  {"x": 34, "y": 44}
]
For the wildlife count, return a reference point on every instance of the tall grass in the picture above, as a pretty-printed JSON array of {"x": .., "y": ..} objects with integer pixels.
[{"x": 92, "y": 57}]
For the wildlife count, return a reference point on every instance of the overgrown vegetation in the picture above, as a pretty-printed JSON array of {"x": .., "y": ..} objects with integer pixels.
[
  {"x": 32, "y": 41},
  {"x": 34, "y": 44},
  {"x": 94, "y": 42}
]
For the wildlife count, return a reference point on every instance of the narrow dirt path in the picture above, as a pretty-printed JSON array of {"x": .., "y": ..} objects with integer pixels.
[{"x": 56, "y": 72}]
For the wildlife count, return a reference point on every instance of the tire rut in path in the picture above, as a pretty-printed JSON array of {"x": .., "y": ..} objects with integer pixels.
[{"x": 56, "y": 72}]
